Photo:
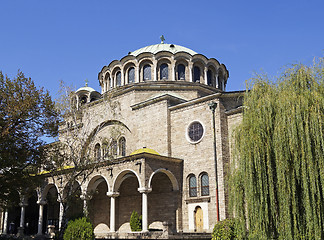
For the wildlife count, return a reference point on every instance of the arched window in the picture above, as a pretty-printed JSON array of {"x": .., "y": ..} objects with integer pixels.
[
  {"x": 131, "y": 75},
  {"x": 147, "y": 73},
  {"x": 196, "y": 74},
  {"x": 181, "y": 72},
  {"x": 192, "y": 186},
  {"x": 122, "y": 146},
  {"x": 209, "y": 78},
  {"x": 83, "y": 100},
  {"x": 113, "y": 148},
  {"x": 204, "y": 185},
  {"x": 164, "y": 71},
  {"x": 98, "y": 152},
  {"x": 118, "y": 79}
]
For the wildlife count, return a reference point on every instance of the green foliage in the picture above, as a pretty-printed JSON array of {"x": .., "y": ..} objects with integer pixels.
[
  {"x": 277, "y": 183},
  {"x": 79, "y": 229},
  {"x": 27, "y": 113},
  {"x": 224, "y": 230},
  {"x": 135, "y": 222}
]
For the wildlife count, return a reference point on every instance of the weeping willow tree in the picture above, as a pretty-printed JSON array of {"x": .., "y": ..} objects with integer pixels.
[{"x": 277, "y": 183}]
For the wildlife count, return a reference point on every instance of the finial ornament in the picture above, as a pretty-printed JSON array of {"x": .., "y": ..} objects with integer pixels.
[
  {"x": 86, "y": 82},
  {"x": 162, "y": 39}
]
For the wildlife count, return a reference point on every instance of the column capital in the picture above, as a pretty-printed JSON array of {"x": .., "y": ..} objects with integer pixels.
[
  {"x": 85, "y": 197},
  {"x": 113, "y": 194},
  {"x": 144, "y": 190},
  {"x": 41, "y": 202}
]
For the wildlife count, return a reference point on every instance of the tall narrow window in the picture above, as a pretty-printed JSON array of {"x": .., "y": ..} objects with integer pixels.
[
  {"x": 181, "y": 72},
  {"x": 113, "y": 148},
  {"x": 192, "y": 186},
  {"x": 131, "y": 75},
  {"x": 122, "y": 146},
  {"x": 204, "y": 185},
  {"x": 118, "y": 79},
  {"x": 147, "y": 72},
  {"x": 97, "y": 152},
  {"x": 196, "y": 74},
  {"x": 209, "y": 78},
  {"x": 164, "y": 71}
]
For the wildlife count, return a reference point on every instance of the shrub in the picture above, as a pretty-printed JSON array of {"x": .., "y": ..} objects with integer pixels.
[
  {"x": 224, "y": 230},
  {"x": 135, "y": 222},
  {"x": 79, "y": 229}
]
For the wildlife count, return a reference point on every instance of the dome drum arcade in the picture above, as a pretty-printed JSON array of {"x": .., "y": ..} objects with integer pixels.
[{"x": 163, "y": 62}]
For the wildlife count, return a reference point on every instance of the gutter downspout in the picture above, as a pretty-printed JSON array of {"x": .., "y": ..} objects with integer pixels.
[{"x": 212, "y": 106}]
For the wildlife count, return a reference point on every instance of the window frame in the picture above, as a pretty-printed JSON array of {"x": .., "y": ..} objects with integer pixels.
[
  {"x": 192, "y": 190},
  {"x": 188, "y": 129}
]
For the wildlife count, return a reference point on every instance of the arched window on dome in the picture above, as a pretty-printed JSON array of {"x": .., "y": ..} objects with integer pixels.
[
  {"x": 204, "y": 184},
  {"x": 97, "y": 152},
  {"x": 83, "y": 99},
  {"x": 131, "y": 75},
  {"x": 164, "y": 71},
  {"x": 118, "y": 79},
  {"x": 192, "y": 186},
  {"x": 122, "y": 146},
  {"x": 196, "y": 74},
  {"x": 209, "y": 78},
  {"x": 181, "y": 69},
  {"x": 147, "y": 72}
]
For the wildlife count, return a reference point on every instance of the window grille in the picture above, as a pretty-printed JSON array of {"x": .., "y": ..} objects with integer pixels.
[
  {"x": 204, "y": 185},
  {"x": 147, "y": 72},
  {"x": 192, "y": 186},
  {"x": 164, "y": 71},
  {"x": 131, "y": 75},
  {"x": 181, "y": 72}
]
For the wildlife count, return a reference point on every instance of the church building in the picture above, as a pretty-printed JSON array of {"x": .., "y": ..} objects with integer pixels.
[{"x": 161, "y": 129}]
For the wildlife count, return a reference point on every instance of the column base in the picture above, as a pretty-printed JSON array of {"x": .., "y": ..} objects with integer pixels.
[{"x": 20, "y": 231}]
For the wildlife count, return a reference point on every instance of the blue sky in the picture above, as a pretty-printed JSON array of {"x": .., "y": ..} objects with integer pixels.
[{"x": 72, "y": 40}]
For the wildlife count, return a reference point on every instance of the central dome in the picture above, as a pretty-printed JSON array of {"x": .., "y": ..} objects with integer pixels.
[{"x": 162, "y": 47}]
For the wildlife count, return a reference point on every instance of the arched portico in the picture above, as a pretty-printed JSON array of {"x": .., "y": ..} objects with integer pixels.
[
  {"x": 99, "y": 205},
  {"x": 126, "y": 186}
]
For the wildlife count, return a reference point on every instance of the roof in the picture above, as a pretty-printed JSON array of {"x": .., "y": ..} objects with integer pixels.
[
  {"x": 144, "y": 150},
  {"x": 88, "y": 89},
  {"x": 162, "y": 47}
]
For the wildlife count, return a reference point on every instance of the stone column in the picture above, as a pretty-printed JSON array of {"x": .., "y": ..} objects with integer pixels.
[
  {"x": 112, "y": 196},
  {"x": 154, "y": 66},
  {"x": 144, "y": 192},
  {"x": 5, "y": 222},
  {"x": 85, "y": 200},
  {"x": 40, "y": 217},
  {"x": 23, "y": 206},
  {"x": 190, "y": 71},
  {"x": 61, "y": 214},
  {"x": 205, "y": 76},
  {"x": 173, "y": 77}
]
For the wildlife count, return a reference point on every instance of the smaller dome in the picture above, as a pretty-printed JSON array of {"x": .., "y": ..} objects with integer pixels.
[
  {"x": 88, "y": 89},
  {"x": 144, "y": 150}
]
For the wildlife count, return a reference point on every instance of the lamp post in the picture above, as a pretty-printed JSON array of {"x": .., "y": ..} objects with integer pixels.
[{"x": 212, "y": 106}]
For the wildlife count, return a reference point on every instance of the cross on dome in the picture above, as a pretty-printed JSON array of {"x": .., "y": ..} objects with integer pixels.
[{"x": 162, "y": 39}]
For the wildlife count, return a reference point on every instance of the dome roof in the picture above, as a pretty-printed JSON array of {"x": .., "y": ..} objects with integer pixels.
[
  {"x": 162, "y": 47},
  {"x": 86, "y": 88},
  {"x": 144, "y": 150}
]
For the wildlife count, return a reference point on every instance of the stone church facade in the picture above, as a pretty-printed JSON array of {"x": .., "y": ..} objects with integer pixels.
[{"x": 165, "y": 120}]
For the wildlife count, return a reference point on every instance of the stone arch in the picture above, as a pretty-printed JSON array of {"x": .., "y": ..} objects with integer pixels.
[
  {"x": 129, "y": 198},
  {"x": 174, "y": 181},
  {"x": 94, "y": 182},
  {"x": 99, "y": 204},
  {"x": 121, "y": 176},
  {"x": 162, "y": 198},
  {"x": 46, "y": 189}
]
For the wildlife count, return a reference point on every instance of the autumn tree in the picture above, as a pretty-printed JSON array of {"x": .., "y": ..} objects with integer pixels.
[
  {"x": 72, "y": 159},
  {"x": 277, "y": 183},
  {"x": 27, "y": 114}
]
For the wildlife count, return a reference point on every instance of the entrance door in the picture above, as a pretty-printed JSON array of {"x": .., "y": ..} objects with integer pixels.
[{"x": 199, "y": 219}]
